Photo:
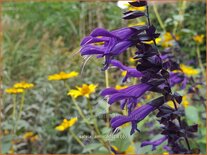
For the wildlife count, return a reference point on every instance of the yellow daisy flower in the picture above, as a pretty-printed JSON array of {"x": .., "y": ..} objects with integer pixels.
[
  {"x": 66, "y": 124},
  {"x": 84, "y": 90},
  {"x": 30, "y": 136},
  {"x": 23, "y": 85},
  {"x": 130, "y": 150},
  {"x": 14, "y": 91},
  {"x": 198, "y": 38},
  {"x": 189, "y": 71},
  {"x": 185, "y": 102},
  {"x": 62, "y": 76},
  {"x": 168, "y": 39}
]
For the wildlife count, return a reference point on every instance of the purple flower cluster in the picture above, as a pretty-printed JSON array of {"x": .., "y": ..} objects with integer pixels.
[{"x": 154, "y": 71}]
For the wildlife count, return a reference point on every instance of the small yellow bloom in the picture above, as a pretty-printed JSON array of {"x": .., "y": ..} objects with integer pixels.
[
  {"x": 14, "y": 90},
  {"x": 119, "y": 87},
  {"x": 66, "y": 124},
  {"x": 74, "y": 93},
  {"x": 62, "y": 76},
  {"x": 123, "y": 73},
  {"x": 198, "y": 38},
  {"x": 30, "y": 136},
  {"x": 189, "y": 71},
  {"x": 23, "y": 85},
  {"x": 168, "y": 39},
  {"x": 185, "y": 102},
  {"x": 130, "y": 150},
  {"x": 165, "y": 153},
  {"x": 34, "y": 138},
  {"x": 84, "y": 90},
  {"x": 157, "y": 40}
]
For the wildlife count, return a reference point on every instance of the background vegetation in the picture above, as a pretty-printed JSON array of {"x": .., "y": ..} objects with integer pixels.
[{"x": 40, "y": 39}]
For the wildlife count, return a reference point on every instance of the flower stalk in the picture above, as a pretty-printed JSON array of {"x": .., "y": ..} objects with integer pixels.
[
  {"x": 154, "y": 70},
  {"x": 199, "y": 59}
]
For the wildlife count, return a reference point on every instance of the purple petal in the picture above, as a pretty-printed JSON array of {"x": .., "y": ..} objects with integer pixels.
[
  {"x": 108, "y": 91},
  {"x": 131, "y": 91},
  {"x": 101, "y": 32},
  {"x": 118, "y": 64},
  {"x": 85, "y": 40},
  {"x": 123, "y": 33},
  {"x": 154, "y": 143},
  {"x": 89, "y": 40},
  {"x": 118, "y": 121},
  {"x": 89, "y": 50},
  {"x": 121, "y": 47}
]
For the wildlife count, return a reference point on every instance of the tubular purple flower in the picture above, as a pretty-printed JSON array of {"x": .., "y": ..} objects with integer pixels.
[
  {"x": 112, "y": 43},
  {"x": 138, "y": 114},
  {"x": 131, "y": 72},
  {"x": 154, "y": 143},
  {"x": 133, "y": 92},
  {"x": 177, "y": 78},
  {"x": 135, "y": 117}
]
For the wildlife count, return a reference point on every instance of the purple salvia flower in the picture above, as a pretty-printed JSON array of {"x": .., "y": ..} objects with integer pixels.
[
  {"x": 177, "y": 78},
  {"x": 135, "y": 117},
  {"x": 133, "y": 92},
  {"x": 131, "y": 72},
  {"x": 114, "y": 43},
  {"x": 154, "y": 143},
  {"x": 138, "y": 114}
]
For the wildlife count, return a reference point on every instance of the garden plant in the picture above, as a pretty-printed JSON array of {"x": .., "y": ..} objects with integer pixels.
[{"x": 125, "y": 77}]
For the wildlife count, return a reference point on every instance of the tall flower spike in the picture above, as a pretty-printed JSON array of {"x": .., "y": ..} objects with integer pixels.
[{"x": 155, "y": 71}]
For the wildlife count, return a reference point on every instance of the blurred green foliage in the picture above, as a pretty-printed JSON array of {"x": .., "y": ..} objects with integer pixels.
[{"x": 40, "y": 39}]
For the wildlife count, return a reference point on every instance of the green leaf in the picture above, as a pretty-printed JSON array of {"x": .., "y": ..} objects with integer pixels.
[
  {"x": 192, "y": 114},
  {"x": 6, "y": 143},
  {"x": 91, "y": 147}
]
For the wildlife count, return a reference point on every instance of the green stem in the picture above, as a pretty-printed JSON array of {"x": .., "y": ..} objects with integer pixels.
[
  {"x": 75, "y": 137},
  {"x": 159, "y": 18},
  {"x": 14, "y": 114},
  {"x": 21, "y": 106},
  {"x": 80, "y": 111},
  {"x": 107, "y": 78},
  {"x": 85, "y": 119},
  {"x": 94, "y": 118},
  {"x": 199, "y": 60},
  {"x": 107, "y": 86},
  {"x": 181, "y": 13}
]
